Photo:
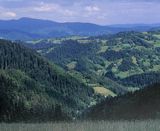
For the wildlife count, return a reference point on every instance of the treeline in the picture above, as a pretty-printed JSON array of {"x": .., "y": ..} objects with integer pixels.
[
  {"x": 140, "y": 105},
  {"x": 138, "y": 80}
]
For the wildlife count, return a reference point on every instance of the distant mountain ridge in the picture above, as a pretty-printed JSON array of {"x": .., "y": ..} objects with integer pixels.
[{"x": 28, "y": 29}]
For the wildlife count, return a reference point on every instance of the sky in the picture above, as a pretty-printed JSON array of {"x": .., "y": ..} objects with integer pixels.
[{"x": 103, "y": 12}]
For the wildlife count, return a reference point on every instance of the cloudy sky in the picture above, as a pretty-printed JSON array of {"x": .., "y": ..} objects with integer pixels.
[{"x": 102, "y": 12}]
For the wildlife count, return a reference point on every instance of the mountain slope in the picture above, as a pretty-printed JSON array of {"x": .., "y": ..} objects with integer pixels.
[
  {"x": 143, "y": 104},
  {"x": 28, "y": 29},
  {"x": 31, "y": 83}
]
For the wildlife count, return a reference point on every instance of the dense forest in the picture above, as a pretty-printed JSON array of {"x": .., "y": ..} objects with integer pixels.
[
  {"x": 31, "y": 87},
  {"x": 143, "y": 104}
]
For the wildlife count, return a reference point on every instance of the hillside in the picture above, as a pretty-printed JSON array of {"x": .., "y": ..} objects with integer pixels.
[
  {"x": 126, "y": 61},
  {"x": 143, "y": 104},
  {"x": 32, "y": 87},
  {"x": 29, "y": 29}
]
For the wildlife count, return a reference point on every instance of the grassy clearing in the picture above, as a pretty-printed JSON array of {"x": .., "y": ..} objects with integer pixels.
[
  {"x": 72, "y": 65},
  {"x": 134, "y": 60},
  {"x": 148, "y": 125},
  {"x": 158, "y": 36},
  {"x": 157, "y": 44},
  {"x": 124, "y": 74},
  {"x": 103, "y": 49},
  {"x": 103, "y": 91}
]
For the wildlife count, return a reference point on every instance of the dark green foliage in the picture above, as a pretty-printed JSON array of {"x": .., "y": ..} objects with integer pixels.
[
  {"x": 142, "y": 79},
  {"x": 71, "y": 50},
  {"x": 21, "y": 103},
  {"x": 143, "y": 104},
  {"x": 126, "y": 64},
  {"x": 35, "y": 86}
]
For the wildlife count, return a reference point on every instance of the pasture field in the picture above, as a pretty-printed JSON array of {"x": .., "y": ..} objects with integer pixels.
[{"x": 148, "y": 125}]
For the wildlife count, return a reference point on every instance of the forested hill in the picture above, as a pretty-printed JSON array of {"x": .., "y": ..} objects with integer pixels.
[
  {"x": 143, "y": 104},
  {"x": 31, "y": 88}
]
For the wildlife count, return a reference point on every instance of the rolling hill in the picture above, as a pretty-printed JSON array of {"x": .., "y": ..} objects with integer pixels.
[
  {"x": 33, "y": 89},
  {"x": 29, "y": 29},
  {"x": 122, "y": 62},
  {"x": 143, "y": 104}
]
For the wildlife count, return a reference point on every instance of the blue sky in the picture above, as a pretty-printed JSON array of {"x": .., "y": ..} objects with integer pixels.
[{"x": 104, "y": 12}]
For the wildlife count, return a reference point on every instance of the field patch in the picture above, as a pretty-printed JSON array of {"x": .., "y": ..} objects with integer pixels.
[
  {"x": 72, "y": 65},
  {"x": 103, "y": 91}
]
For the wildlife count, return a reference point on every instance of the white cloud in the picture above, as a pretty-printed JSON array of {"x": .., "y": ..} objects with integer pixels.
[
  {"x": 45, "y": 7},
  {"x": 4, "y": 13},
  {"x": 9, "y": 14},
  {"x": 96, "y": 11},
  {"x": 92, "y": 8},
  {"x": 68, "y": 12},
  {"x": 52, "y": 8}
]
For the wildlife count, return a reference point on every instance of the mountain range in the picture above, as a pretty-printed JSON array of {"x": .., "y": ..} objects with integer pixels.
[{"x": 29, "y": 29}]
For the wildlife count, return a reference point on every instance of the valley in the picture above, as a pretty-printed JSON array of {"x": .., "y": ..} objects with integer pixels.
[
  {"x": 74, "y": 77},
  {"x": 123, "y": 62},
  {"x": 79, "y": 65}
]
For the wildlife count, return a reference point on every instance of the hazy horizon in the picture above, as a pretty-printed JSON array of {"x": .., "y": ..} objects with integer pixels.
[
  {"x": 121, "y": 24},
  {"x": 104, "y": 12}
]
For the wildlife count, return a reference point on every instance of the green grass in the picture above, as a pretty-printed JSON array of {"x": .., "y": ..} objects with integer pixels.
[
  {"x": 103, "y": 49},
  {"x": 134, "y": 60},
  {"x": 157, "y": 44},
  {"x": 124, "y": 74},
  {"x": 158, "y": 36},
  {"x": 50, "y": 49},
  {"x": 72, "y": 65},
  {"x": 148, "y": 125},
  {"x": 156, "y": 68}
]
